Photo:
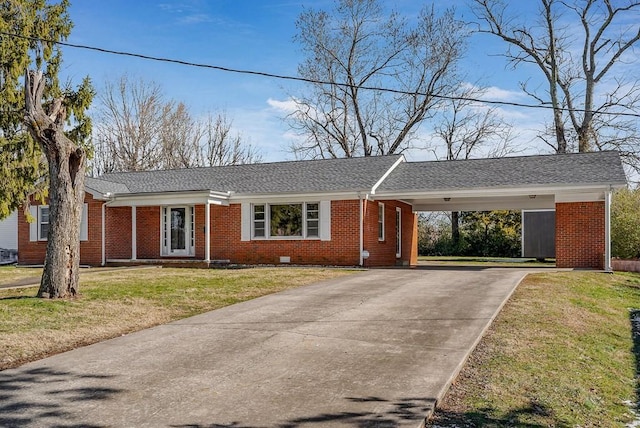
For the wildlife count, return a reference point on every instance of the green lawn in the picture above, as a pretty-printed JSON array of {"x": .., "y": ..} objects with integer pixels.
[
  {"x": 560, "y": 354},
  {"x": 113, "y": 303}
]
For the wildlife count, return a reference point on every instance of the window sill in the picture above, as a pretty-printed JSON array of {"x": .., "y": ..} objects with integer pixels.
[
  {"x": 176, "y": 256},
  {"x": 286, "y": 238}
]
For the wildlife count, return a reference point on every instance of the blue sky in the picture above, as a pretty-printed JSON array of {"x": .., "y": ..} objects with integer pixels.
[{"x": 254, "y": 35}]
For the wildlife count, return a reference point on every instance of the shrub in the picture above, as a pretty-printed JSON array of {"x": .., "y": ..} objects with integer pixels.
[{"x": 625, "y": 224}]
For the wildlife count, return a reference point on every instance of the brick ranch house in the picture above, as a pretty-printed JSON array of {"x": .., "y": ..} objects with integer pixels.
[{"x": 347, "y": 212}]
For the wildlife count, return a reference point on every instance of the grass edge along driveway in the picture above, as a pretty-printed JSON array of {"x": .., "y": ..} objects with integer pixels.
[{"x": 561, "y": 353}]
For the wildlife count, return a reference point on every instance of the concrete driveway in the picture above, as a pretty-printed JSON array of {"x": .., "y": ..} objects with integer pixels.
[{"x": 375, "y": 349}]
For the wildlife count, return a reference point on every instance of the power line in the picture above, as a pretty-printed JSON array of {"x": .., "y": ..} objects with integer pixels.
[{"x": 297, "y": 78}]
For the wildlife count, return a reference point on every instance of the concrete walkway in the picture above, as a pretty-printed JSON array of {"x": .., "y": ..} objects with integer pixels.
[{"x": 375, "y": 349}]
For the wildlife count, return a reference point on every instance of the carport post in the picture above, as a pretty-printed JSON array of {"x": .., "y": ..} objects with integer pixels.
[
  {"x": 207, "y": 232},
  {"x": 607, "y": 231},
  {"x": 361, "y": 238}
]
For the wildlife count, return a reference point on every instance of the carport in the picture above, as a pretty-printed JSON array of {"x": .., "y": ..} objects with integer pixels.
[{"x": 577, "y": 186}]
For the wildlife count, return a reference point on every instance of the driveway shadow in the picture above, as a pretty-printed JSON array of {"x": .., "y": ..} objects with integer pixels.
[
  {"x": 485, "y": 417},
  {"x": 398, "y": 412},
  {"x": 19, "y": 407}
]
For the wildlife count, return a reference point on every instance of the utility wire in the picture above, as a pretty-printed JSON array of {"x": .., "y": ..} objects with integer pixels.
[{"x": 296, "y": 78}]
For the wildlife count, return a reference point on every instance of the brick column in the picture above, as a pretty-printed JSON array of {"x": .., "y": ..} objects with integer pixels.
[{"x": 580, "y": 235}]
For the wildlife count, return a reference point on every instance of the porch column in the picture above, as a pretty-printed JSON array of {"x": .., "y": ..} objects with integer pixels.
[
  {"x": 103, "y": 235},
  {"x": 607, "y": 231},
  {"x": 134, "y": 238},
  {"x": 207, "y": 232}
]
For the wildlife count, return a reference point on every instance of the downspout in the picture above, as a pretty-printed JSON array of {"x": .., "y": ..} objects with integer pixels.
[
  {"x": 361, "y": 228},
  {"x": 103, "y": 235},
  {"x": 607, "y": 231}
]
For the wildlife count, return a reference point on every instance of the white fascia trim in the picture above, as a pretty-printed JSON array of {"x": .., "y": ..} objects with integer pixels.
[
  {"x": 96, "y": 195},
  {"x": 294, "y": 197},
  {"x": 386, "y": 174},
  {"x": 538, "y": 210},
  {"x": 170, "y": 198},
  {"x": 489, "y": 192}
]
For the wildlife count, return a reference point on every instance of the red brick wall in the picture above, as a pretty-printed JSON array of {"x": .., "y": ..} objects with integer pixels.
[
  {"x": 226, "y": 244},
  {"x": 580, "y": 235},
  {"x": 383, "y": 253},
  {"x": 33, "y": 252},
  {"x": 118, "y": 232},
  {"x": 343, "y": 249},
  {"x": 91, "y": 249},
  {"x": 148, "y": 232}
]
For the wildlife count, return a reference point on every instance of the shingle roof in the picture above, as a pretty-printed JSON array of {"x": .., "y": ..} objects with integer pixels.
[
  {"x": 103, "y": 186},
  {"x": 361, "y": 174},
  {"x": 546, "y": 170},
  {"x": 329, "y": 175}
]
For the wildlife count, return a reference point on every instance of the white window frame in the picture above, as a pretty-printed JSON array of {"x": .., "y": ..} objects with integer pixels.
[
  {"x": 305, "y": 221},
  {"x": 165, "y": 227},
  {"x": 35, "y": 232},
  {"x": 398, "y": 232},
  {"x": 381, "y": 228},
  {"x": 40, "y": 222}
]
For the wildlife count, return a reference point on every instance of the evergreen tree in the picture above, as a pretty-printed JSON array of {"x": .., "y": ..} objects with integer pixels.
[
  {"x": 44, "y": 132},
  {"x": 24, "y": 27}
]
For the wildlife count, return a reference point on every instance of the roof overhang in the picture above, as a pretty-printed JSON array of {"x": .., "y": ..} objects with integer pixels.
[
  {"x": 511, "y": 198},
  {"x": 168, "y": 198}
]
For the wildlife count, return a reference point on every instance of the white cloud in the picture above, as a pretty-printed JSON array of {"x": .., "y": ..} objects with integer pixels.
[
  {"x": 287, "y": 106},
  {"x": 195, "y": 18},
  {"x": 498, "y": 94}
]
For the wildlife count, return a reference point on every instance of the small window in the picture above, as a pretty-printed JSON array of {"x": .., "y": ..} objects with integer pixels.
[
  {"x": 313, "y": 220},
  {"x": 380, "y": 222},
  {"x": 43, "y": 222},
  {"x": 259, "y": 221},
  {"x": 39, "y": 229},
  {"x": 398, "y": 232}
]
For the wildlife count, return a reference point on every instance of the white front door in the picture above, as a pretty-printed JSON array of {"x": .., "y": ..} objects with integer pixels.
[{"x": 177, "y": 231}]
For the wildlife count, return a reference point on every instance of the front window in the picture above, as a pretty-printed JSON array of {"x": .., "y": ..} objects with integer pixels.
[
  {"x": 294, "y": 220},
  {"x": 43, "y": 222},
  {"x": 259, "y": 221},
  {"x": 285, "y": 220},
  {"x": 380, "y": 222},
  {"x": 398, "y": 232},
  {"x": 313, "y": 220}
]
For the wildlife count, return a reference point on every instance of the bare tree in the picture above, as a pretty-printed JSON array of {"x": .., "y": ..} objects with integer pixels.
[
  {"x": 67, "y": 161},
  {"x": 139, "y": 130},
  {"x": 130, "y": 119},
  {"x": 180, "y": 137},
  {"x": 220, "y": 147},
  {"x": 576, "y": 44},
  {"x": 358, "y": 47},
  {"x": 465, "y": 128}
]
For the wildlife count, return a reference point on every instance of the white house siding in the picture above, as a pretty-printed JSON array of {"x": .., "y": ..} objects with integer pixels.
[{"x": 9, "y": 232}]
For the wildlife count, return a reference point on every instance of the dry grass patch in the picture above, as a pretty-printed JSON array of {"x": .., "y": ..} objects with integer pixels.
[
  {"x": 119, "y": 302},
  {"x": 12, "y": 274},
  {"x": 559, "y": 354}
]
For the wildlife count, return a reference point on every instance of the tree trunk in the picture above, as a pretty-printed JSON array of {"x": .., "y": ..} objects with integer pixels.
[
  {"x": 66, "y": 190},
  {"x": 455, "y": 231}
]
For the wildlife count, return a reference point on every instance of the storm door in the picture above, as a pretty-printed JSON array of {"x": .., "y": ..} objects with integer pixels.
[{"x": 178, "y": 228}]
